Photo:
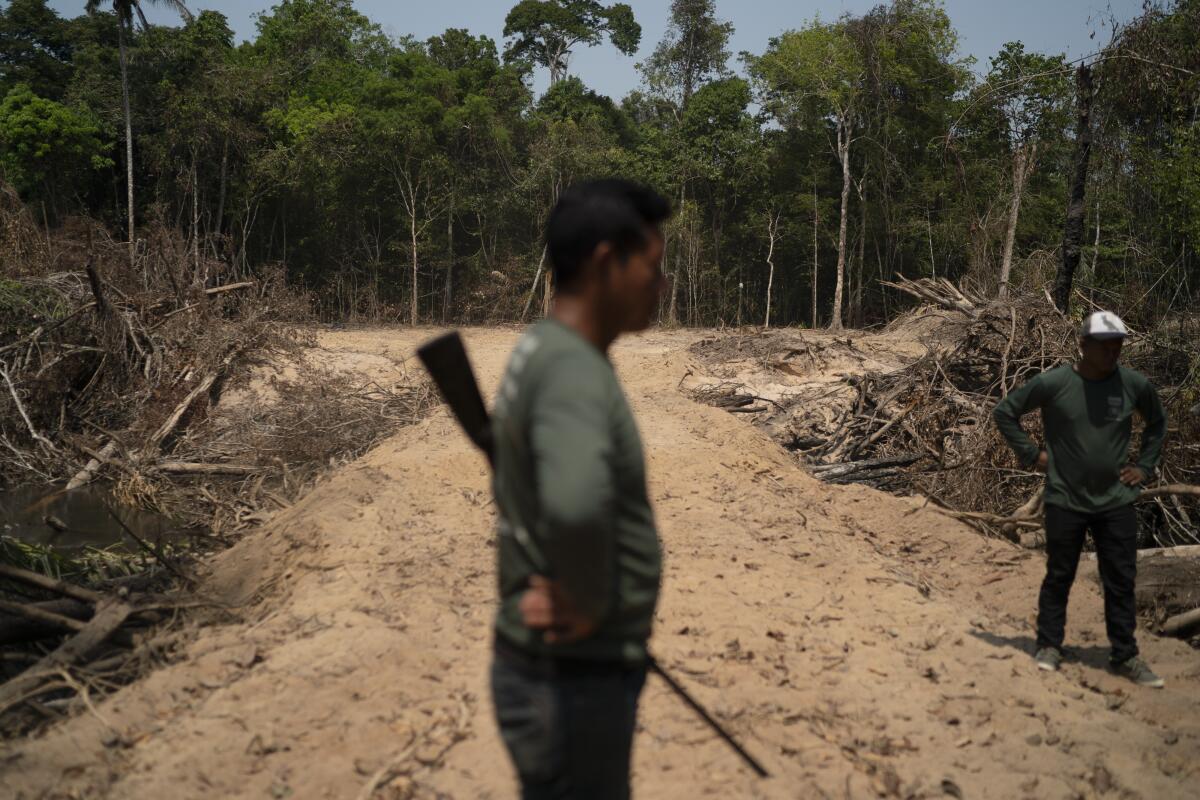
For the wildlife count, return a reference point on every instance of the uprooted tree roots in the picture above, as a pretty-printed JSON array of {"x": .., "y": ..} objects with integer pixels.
[{"x": 927, "y": 428}]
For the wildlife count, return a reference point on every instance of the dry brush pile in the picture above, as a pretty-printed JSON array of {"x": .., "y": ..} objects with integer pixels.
[
  {"x": 113, "y": 375},
  {"x": 927, "y": 427}
]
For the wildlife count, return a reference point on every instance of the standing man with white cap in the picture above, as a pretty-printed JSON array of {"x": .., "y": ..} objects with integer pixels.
[{"x": 1091, "y": 482}]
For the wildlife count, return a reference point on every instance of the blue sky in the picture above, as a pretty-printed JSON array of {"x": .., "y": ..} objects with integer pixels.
[{"x": 1051, "y": 26}]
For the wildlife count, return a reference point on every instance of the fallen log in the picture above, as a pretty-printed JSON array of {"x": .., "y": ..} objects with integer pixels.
[
  {"x": 15, "y": 629},
  {"x": 41, "y": 615},
  {"x": 1182, "y": 551},
  {"x": 156, "y": 440},
  {"x": 1181, "y": 624},
  {"x": 89, "y": 471},
  {"x": 198, "y": 468},
  {"x": 827, "y": 471},
  {"x": 1170, "y": 489},
  {"x": 49, "y": 584}
]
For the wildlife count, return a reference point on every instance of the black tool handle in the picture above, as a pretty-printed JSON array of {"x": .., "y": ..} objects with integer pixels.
[
  {"x": 712, "y": 723},
  {"x": 448, "y": 365}
]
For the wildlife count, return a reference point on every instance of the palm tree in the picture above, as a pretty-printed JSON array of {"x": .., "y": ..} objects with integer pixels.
[{"x": 125, "y": 9}]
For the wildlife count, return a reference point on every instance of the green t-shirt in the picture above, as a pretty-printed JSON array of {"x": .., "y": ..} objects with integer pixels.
[
  {"x": 1087, "y": 427},
  {"x": 570, "y": 487}
]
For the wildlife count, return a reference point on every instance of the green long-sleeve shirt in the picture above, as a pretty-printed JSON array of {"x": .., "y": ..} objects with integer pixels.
[
  {"x": 1087, "y": 427},
  {"x": 570, "y": 487}
]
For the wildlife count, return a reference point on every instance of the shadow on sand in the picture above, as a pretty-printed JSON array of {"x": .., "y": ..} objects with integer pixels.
[{"x": 1094, "y": 656}]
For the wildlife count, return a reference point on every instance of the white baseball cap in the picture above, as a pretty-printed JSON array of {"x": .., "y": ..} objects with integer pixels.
[{"x": 1103, "y": 325}]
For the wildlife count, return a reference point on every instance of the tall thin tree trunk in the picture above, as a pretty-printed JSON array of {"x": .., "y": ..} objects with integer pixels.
[
  {"x": 1021, "y": 168},
  {"x": 224, "y": 184},
  {"x": 128, "y": 140},
  {"x": 196, "y": 223},
  {"x": 412, "y": 229},
  {"x": 673, "y": 306},
  {"x": 1096, "y": 243},
  {"x": 1073, "y": 230},
  {"x": 533, "y": 289},
  {"x": 815, "y": 270},
  {"x": 772, "y": 230},
  {"x": 929, "y": 232},
  {"x": 862, "y": 256},
  {"x": 844, "y": 132},
  {"x": 446, "y": 300},
  {"x": 741, "y": 289}
]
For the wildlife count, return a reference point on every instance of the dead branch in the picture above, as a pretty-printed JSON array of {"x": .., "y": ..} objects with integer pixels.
[
  {"x": 49, "y": 584},
  {"x": 90, "y": 470},
  {"x": 1171, "y": 489},
  {"x": 110, "y": 615},
  {"x": 1181, "y": 624},
  {"x": 41, "y": 440},
  {"x": 196, "y": 468},
  {"x": 829, "y": 471},
  {"x": 939, "y": 293},
  {"x": 32, "y": 612},
  {"x": 158, "y": 555},
  {"x": 15, "y": 629}
]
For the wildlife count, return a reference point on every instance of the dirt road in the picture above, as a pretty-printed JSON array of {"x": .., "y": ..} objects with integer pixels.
[{"x": 860, "y": 644}]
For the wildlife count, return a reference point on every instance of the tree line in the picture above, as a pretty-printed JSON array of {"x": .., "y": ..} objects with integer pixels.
[{"x": 401, "y": 179}]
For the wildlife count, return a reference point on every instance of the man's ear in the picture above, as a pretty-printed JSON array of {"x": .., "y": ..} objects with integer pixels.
[{"x": 602, "y": 257}]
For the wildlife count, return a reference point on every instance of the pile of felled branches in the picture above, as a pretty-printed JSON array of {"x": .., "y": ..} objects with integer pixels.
[
  {"x": 110, "y": 372},
  {"x": 927, "y": 428},
  {"x": 65, "y": 644},
  {"x": 98, "y": 372}
]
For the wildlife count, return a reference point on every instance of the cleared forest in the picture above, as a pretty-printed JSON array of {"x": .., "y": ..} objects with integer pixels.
[{"x": 227, "y": 483}]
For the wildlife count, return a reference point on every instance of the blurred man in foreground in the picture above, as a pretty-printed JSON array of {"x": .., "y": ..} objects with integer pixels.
[{"x": 579, "y": 561}]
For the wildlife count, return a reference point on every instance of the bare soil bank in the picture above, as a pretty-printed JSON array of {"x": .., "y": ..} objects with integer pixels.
[{"x": 860, "y": 644}]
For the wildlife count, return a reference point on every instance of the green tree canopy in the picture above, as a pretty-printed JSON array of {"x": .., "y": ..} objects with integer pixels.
[
  {"x": 545, "y": 31},
  {"x": 44, "y": 145}
]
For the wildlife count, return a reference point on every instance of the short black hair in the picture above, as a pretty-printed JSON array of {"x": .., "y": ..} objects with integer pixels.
[{"x": 611, "y": 210}]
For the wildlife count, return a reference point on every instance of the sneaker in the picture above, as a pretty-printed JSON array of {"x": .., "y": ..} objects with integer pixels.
[
  {"x": 1048, "y": 658},
  {"x": 1139, "y": 672}
]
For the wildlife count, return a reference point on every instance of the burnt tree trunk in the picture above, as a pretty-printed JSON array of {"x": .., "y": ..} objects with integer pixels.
[{"x": 1073, "y": 231}]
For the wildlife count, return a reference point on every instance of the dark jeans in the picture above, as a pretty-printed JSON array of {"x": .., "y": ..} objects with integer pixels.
[
  {"x": 1115, "y": 535},
  {"x": 568, "y": 726}
]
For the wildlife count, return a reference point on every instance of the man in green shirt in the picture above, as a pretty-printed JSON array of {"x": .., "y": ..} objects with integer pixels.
[
  {"x": 1091, "y": 483},
  {"x": 579, "y": 560}
]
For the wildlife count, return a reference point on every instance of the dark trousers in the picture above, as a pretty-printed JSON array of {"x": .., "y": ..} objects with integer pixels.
[
  {"x": 1115, "y": 535},
  {"x": 568, "y": 726}
]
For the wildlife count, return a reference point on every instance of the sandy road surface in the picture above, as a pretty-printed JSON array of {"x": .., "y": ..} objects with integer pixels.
[{"x": 860, "y": 644}]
